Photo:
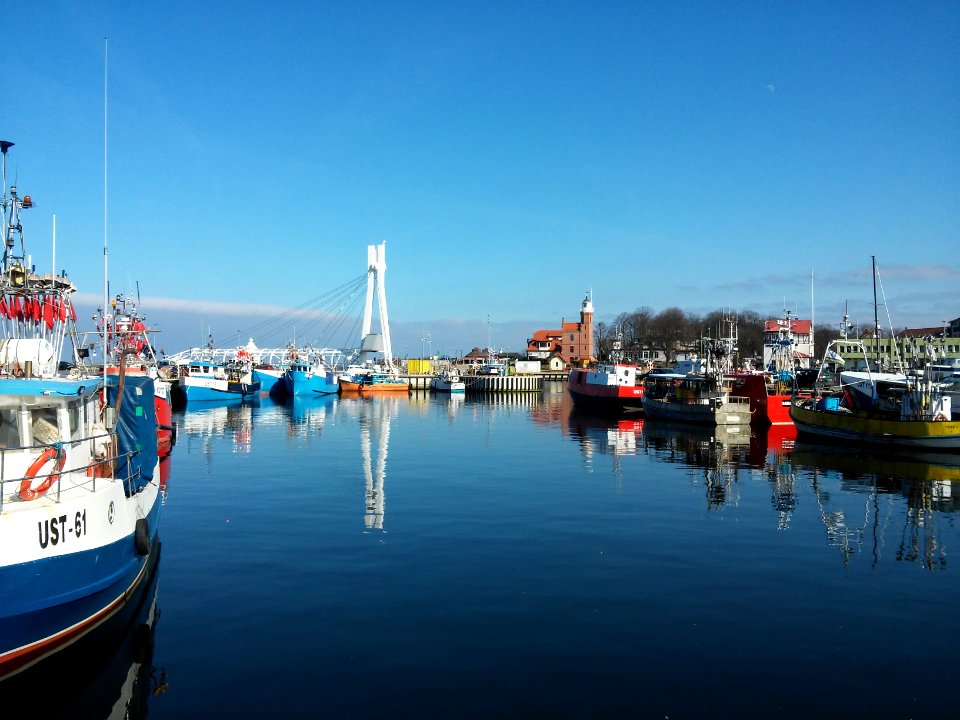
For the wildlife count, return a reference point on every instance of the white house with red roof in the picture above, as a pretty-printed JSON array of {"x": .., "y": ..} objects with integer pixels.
[{"x": 786, "y": 334}]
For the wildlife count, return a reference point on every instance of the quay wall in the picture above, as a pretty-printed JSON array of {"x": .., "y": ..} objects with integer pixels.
[{"x": 491, "y": 383}]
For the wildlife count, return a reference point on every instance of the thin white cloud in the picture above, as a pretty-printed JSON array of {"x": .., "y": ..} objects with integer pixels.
[{"x": 204, "y": 307}]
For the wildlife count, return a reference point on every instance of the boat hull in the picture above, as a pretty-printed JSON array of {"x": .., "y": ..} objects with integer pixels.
[
  {"x": 108, "y": 669},
  {"x": 706, "y": 413},
  {"x": 603, "y": 397},
  {"x": 70, "y": 566},
  {"x": 267, "y": 378},
  {"x": 442, "y": 385},
  {"x": 451, "y": 388},
  {"x": 375, "y": 388},
  {"x": 766, "y": 408},
  {"x": 208, "y": 390},
  {"x": 840, "y": 425},
  {"x": 297, "y": 382}
]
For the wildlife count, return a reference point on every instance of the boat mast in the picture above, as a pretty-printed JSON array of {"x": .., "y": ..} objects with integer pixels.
[
  {"x": 8, "y": 227},
  {"x": 489, "y": 342},
  {"x": 813, "y": 344},
  {"x": 105, "y": 264},
  {"x": 876, "y": 319}
]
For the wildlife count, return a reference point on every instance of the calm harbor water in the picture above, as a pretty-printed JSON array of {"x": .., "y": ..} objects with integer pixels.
[{"x": 506, "y": 557}]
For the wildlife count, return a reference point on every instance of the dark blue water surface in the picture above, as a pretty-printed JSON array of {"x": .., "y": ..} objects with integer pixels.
[{"x": 505, "y": 557}]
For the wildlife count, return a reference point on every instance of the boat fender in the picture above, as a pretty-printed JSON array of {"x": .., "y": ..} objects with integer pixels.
[
  {"x": 55, "y": 453},
  {"x": 141, "y": 537}
]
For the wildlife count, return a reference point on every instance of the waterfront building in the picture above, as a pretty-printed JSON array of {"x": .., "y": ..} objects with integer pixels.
[
  {"x": 785, "y": 332},
  {"x": 910, "y": 346},
  {"x": 573, "y": 341}
]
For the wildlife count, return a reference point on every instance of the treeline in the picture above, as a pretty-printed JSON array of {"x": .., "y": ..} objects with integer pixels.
[{"x": 673, "y": 329}]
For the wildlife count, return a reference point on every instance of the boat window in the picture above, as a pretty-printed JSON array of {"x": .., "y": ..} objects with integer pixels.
[
  {"x": 43, "y": 424},
  {"x": 9, "y": 434},
  {"x": 73, "y": 412}
]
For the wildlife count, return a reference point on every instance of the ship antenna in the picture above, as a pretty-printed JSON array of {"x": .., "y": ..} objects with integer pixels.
[
  {"x": 106, "y": 303},
  {"x": 7, "y": 231}
]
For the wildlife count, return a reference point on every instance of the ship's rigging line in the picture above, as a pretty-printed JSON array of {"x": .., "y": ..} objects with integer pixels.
[{"x": 318, "y": 320}]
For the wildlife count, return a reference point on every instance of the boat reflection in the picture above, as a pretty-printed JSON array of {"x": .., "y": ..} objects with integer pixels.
[
  {"x": 604, "y": 435},
  {"x": 714, "y": 455},
  {"x": 164, "y": 478},
  {"x": 860, "y": 518},
  {"x": 203, "y": 424},
  {"x": 107, "y": 673},
  {"x": 307, "y": 415}
]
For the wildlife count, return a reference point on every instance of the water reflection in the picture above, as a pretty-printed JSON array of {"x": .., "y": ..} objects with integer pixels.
[
  {"x": 866, "y": 501},
  {"x": 599, "y": 435},
  {"x": 306, "y": 416},
  {"x": 205, "y": 424},
  {"x": 164, "y": 478},
  {"x": 555, "y": 405},
  {"x": 714, "y": 455},
  {"x": 107, "y": 673},
  {"x": 375, "y": 415},
  {"x": 863, "y": 517}
]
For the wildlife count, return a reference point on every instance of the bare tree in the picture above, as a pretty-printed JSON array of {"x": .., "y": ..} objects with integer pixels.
[
  {"x": 602, "y": 341},
  {"x": 667, "y": 329}
]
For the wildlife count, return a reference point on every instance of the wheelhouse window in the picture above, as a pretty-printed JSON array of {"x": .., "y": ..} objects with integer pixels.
[
  {"x": 43, "y": 426},
  {"x": 9, "y": 433},
  {"x": 73, "y": 413}
]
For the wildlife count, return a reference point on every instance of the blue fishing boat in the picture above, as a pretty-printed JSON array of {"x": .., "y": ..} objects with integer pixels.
[
  {"x": 269, "y": 377},
  {"x": 308, "y": 374},
  {"x": 208, "y": 380},
  {"x": 79, "y": 472}
]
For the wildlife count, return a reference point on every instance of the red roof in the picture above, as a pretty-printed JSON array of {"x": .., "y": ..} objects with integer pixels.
[
  {"x": 545, "y": 335},
  {"x": 799, "y": 327},
  {"x": 923, "y": 332}
]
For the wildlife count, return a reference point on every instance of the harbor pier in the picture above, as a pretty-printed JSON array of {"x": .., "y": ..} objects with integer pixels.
[{"x": 531, "y": 383}]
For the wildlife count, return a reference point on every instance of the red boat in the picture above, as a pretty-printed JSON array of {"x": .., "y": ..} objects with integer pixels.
[
  {"x": 607, "y": 387},
  {"x": 769, "y": 397},
  {"x": 128, "y": 341}
]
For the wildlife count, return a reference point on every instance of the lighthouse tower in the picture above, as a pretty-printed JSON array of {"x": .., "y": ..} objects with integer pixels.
[{"x": 586, "y": 327}]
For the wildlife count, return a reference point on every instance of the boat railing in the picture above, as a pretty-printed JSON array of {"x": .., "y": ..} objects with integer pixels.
[{"x": 104, "y": 466}]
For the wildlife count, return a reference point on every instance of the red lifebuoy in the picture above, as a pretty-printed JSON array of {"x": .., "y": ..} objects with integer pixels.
[{"x": 27, "y": 491}]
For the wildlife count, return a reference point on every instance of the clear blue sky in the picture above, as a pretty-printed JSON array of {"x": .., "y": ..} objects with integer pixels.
[{"x": 511, "y": 155}]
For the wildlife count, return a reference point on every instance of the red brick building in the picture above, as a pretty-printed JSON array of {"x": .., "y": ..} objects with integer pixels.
[{"x": 573, "y": 341}]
